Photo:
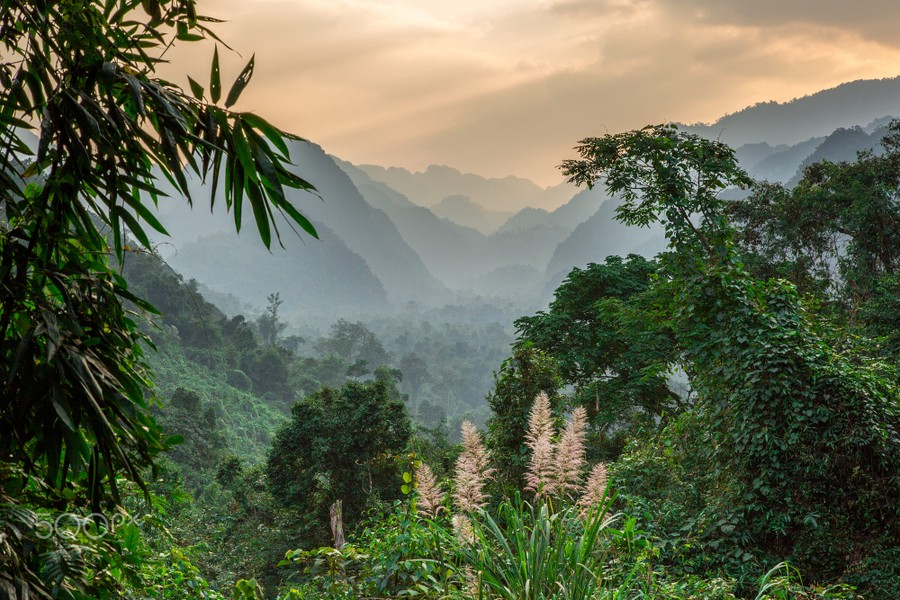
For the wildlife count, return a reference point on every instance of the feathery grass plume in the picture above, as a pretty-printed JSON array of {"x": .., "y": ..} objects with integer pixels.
[
  {"x": 539, "y": 438},
  {"x": 594, "y": 489},
  {"x": 540, "y": 421},
  {"x": 569, "y": 463},
  {"x": 471, "y": 471},
  {"x": 463, "y": 529},
  {"x": 430, "y": 496}
]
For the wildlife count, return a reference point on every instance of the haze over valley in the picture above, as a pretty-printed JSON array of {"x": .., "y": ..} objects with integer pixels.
[
  {"x": 552, "y": 300},
  {"x": 394, "y": 241}
]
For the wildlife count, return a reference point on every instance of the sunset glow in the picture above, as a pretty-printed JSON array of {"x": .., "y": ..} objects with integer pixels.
[{"x": 508, "y": 87}]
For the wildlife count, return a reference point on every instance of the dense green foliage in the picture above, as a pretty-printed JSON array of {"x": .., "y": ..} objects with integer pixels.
[
  {"x": 73, "y": 414},
  {"x": 744, "y": 383},
  {"x": 834, "y": 234},
  {"x": 796, "y": 440},
  {"x": 521, "y": 378},
  {"x": 608, "y": 331},
  {"x": 343, "y": 445}
]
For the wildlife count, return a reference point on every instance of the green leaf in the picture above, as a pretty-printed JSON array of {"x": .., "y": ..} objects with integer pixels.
[
  {"x": 242, "y": 149},
  {"x": 185, "y": 35},
  {"x": 240, "y": 83},
  {"x": 298, "y": 218},
  {"x": 260, "y": 212},
  {"x": 215, "y": 82},
  {"x": 272, "y": 133},
  {"x": 152, "y": 8},
  {"x": 196, "y": 89}
]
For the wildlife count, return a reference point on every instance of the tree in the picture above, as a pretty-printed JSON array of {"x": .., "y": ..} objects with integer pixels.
[
  {"x": 843, "y": 216},
  {"x": 835, "y": 234},
  {"x": 343, "y": 445},
  {"x": 269, "y": 324},
  {"x": 800, "y": 441},
  {"x": 522, "y": 377},
  {"x": 73, "y": 415},
  {"x": 356, "y": 345},
  {"x": 607, "y": 330},
  {"x": 415, "y": 373},
  {"x": 197, "y": 423}
]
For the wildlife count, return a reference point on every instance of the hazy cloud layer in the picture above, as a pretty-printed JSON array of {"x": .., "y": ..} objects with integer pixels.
[{"x": 508, "y": 86}]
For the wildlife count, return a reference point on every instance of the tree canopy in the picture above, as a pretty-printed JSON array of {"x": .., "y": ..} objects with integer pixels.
[
  {"x": 798, "y": 439},
  {"x": 344, "y": 444}
]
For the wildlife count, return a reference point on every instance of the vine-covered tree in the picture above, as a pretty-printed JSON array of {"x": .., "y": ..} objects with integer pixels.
[
  {"x": 835, "y": 234},
  {"x": 799, "y": 441}
]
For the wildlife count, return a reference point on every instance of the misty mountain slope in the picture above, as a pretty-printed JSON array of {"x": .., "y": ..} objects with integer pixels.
[
  {"x": 782, "y": 164},
  {"x": 519, "y": 285},
  {"x": 459, "y": 256},
  {"x": 579, "y": 208},
  {"x": 877, "y": 124},
  {"x": 429, "y": 187},
  {"x": 842, "y": 146},
  {"x": 530, "y": 247},
  {"x": 525, "y": 219},
  {"x": 750, "y": 155},
  {"x": 450, "y": 251},
  {"x": 366, "y": 230},
  {"x": 847, "y": 105},
  {"x": 316, "y": 278},
  {"x": 595, "y": 239},
  {"x": 463, "y": 211}
]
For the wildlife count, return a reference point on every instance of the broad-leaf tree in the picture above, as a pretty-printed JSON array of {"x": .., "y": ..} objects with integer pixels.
[
  {"x": 522, "y": 377},
  {"x": 835, "y": 234},
  {"x": 607, "y": 329},
  {"x": 801, "y": 441},
  {"x": 340, "y": 444}
]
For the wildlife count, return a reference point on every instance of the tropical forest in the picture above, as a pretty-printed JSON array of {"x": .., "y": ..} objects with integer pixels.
[{"x": 234, "y": 366}]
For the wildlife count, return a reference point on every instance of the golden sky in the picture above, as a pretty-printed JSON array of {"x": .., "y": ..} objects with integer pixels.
[{"x": 507, "y": 87}]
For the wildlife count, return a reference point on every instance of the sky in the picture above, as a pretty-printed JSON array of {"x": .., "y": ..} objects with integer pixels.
[{"x": 508, "y": 87}]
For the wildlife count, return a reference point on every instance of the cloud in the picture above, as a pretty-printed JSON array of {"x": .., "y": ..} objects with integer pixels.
[
  {"x": 508, "y": 86},
  {"x": 873, "y": 19}
]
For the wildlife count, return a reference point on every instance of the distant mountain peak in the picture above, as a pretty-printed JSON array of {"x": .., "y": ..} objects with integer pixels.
[
  {"x": 856, "y": 103},
  {"x": 464, "y": 211}
]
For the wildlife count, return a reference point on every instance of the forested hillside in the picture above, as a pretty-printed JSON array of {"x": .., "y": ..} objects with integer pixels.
[{"x": 682, "y": 381}]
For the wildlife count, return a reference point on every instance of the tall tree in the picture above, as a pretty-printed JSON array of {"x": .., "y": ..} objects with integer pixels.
[
  {"x": 269, "y": 323},
  {"x": 343, "y": 445},
  {"x": 522, "y": 377},
  {"x": 415, "y": 373},
  {"x": 836, "y": 234},
  {"x": 801, "y": 441},
  {"x": 356, "y": 345}
]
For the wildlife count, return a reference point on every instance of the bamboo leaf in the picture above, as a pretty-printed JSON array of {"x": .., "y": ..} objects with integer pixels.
[
  {"x": 240, "y": 83},
  {"x": 272, "y": 133},
  {"x": 196, "y": 89},
  {"x": 260, "y": 212},
  {"x": 215, "y": 82}
]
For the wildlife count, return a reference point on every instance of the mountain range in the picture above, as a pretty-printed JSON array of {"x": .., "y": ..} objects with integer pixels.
[{"x": 392, "y": 240}]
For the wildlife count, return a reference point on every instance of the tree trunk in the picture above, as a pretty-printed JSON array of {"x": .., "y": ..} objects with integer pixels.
[{"x": 337, "y": 524}]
